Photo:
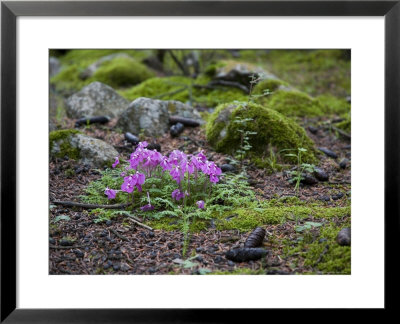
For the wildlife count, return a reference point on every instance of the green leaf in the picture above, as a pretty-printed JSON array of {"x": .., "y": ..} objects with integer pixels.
[
  {"x": 204, "y": 271},
  {"x": 61, "y": 217}
]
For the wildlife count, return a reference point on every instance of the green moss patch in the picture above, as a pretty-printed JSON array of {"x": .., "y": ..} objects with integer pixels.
[
  {"x": 295, "y": 104},
  {"x": 313, "y": 71},
  {"x": 61, "y": 137},
  {"x": 168, "y": 88},
  {"x": 268, "y": 85},
  {"x": 183, "y": 89},
  {"x": 271, "y": 128}
]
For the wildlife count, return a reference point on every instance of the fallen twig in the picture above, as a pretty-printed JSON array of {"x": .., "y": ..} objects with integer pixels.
[
  {"x": 178, "y": 63},
  {"x": 135, "y": 220},
  {"x": 341, "y": 132},
  {"x": 119, "y": 235},
  {"x": 66, "y": 247},
  {"x": 89, "y": 206},
  {"x": 229, "y": 84}
]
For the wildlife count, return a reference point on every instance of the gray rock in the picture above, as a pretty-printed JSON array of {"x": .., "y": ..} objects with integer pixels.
[
  {"x": 95, "y": 152},
  {"x": 152, "y": 116},
  {"x": 92, "y": 151},
  {"x": 344, "y": 237},
  {"x": 96, "y": 99},
  {"x": 54, "y": 66}
]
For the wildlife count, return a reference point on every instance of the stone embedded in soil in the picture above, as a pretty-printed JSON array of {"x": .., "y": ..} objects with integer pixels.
[
  {"x": 52, "y": 241},
  {"x": 320, "y": 174},
  {"x": 325, "y": 198},
  {"x": 313, "y": 129},
  {"x": 228, "y": 168},
  {"x": 343, "y": 163},
  {"x": 66, "y": 242},
  {"x": 337, "y": 196},
  {"x": 328, "y": 152},
  {"x": 344, "y": 237}
]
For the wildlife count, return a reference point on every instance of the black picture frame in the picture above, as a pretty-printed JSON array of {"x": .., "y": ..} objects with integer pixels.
[{"x": 9, "y": 13}]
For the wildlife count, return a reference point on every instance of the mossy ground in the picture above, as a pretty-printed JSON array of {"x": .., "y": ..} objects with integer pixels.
[
  {"x": 271, "y": 128},
  {"x": 314, "y": 72},
  {"x": 66, "y": 149},
  {"x": 317, "y": 251},
  {"x": 183, "y": 89}
]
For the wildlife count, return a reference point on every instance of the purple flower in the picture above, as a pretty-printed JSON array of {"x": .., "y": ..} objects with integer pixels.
[
  {"x": 110, "y": 193},
  {"x": 177, "y": 173},
  {"x": 177, "y": 194},
  {"x": 147, "y": 207},
  {"x": 142, "y": 145},
  {"x": 116, "y": 162},
  {"x": 200, "y": 204},
  {"x": 133, "y": 180},
  {"x": 213, "y": 178}
]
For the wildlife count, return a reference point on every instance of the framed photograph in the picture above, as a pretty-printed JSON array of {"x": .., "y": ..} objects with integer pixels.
[{"x": 163, "y": 158}]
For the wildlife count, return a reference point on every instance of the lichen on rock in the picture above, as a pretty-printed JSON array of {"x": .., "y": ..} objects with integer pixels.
[
  {"x": 96, "y": 99},
  {"x": 272, "y": 128},
  {"x": 77, "y": 146}
]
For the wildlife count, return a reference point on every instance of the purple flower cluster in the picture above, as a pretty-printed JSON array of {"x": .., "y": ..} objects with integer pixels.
[{"x": 143, "y": 162}]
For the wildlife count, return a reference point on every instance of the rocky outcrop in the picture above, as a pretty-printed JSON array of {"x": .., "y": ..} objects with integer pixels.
[{"x": 96, "y": 99}]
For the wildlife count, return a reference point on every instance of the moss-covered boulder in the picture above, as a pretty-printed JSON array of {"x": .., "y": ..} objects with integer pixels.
[
  {"x": 96, "y": 99},
  {"x": 77, "y": 146},
  {"x": 272, "y": 130},
  {"x": 79, "y": 66},
  {"x": 122, "y": 71}
]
